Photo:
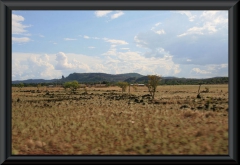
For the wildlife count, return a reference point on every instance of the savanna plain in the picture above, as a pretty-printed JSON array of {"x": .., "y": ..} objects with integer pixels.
[{"x": 105, "y": 121}]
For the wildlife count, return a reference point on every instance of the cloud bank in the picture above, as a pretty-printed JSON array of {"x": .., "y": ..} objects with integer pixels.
[{"x": 18, "y": 28}]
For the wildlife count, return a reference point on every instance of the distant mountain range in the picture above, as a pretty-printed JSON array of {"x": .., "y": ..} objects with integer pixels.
[
  {"x": 127, "y": 77},
  {"x": 85, "y": 78}
]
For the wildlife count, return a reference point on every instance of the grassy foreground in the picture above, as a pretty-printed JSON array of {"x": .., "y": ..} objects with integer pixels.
[{"x": 104, "y": 121}]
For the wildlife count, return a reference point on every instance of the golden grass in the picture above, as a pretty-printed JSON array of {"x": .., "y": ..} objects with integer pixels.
[{"x": 44, "y": 125}]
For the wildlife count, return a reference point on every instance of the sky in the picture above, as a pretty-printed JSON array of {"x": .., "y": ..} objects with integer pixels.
[{"x": 49, "y": 44}]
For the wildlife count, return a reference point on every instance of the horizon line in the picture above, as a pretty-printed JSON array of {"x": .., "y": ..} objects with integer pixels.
[{"x": 120, "y": 74}]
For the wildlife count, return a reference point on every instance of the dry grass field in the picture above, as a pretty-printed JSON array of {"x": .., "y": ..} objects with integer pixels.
[{"x": 104, "y": 121}]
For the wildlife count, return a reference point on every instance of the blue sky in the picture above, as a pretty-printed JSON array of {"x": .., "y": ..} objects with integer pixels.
[{"x": 49, "y": 44}]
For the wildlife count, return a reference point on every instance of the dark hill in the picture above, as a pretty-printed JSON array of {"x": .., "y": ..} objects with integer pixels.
[
  {"x": 34, "y": 81},
  {"x": 127, "y": 77},
  {"x": 97, "y": 77}
]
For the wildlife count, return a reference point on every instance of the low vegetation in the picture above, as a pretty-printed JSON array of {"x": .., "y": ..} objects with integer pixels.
[
  {"x": 73, "y": 85},
  {"x": 106, "y": 121},
  {"x": 123, "y": 86}
]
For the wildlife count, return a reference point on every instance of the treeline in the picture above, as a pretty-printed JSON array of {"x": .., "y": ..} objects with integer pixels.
[
  {"x": 61, "y": 84},
  {"x": 185, "y": 81},
  {"x": 34, "y": 84},
  {"x": 181, "y": 81},
  {"x": 173, "y": 81}
]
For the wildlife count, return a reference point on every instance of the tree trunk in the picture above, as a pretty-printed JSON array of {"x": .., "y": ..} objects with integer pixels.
[
  {"x": 153, "y": 94},
  {"x": 129, "y": 90},
  {"x": 199, "y": 88}
]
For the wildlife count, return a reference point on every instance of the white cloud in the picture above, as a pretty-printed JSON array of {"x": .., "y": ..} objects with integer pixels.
[
  {"x": 40, "y": 35},
  {"x": 211, "y": 21},
  {"x": 26, "y": 34},
  {"x": 197, "y": 70},
  {"x": 188, "y": 14},
  {"x": 101, "y": 13},
  {"x": 100, "y": 68},
  {"x": 202, "y": 41},
  {"x": 124, "y": 62},
  {"x": 41, "y": 61},
  {"x": 207, "y": 28},
  {"x": 189, "y": 60},
  {"x": 224, "y": 65},
  {"x": 20, "y": 40},
  {"x": 94, "y": 63},
  {"x": 215, "y": 18},
  {"x": 17, "y": 26},
  {"x": 91, "y": 47},
  {"x": 157, "y": 24},
  {"x": 140, "y": 42},
  {"x": 69, "y": 39},
  {"x": 33, "y": 66},
  {"x": 110, "y": 52},
  {"x": 160, "y": 32},
  {"x": 46, "y": 57},
  {"x": 80, "y": 65},
  {"x": 120, "y": 42},
  {"x": 207, "y": 71},
  {"x": 62, "y": 61},
  {"x": 209, "y": 15},
  {"x": 86, "y": 37},
  {"x": 214, "y": 67},
  {"x": 125, "y": 48},
  {"x": 96, "y": 38},
  {"x": 69, "y": 63},
  {"x": 116, "y": 15}
]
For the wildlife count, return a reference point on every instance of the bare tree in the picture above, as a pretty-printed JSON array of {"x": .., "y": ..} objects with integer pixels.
[{"x": 153, "y": 82}]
